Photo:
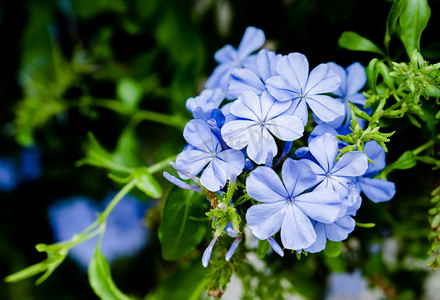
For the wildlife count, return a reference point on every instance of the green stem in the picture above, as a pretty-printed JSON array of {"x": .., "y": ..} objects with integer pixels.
[
  {"x": 174, "y": 121},
  {"x": 161, "y": 165},
  {"x": 124, "y": 191},
  {"x": 423, "y": 147}
]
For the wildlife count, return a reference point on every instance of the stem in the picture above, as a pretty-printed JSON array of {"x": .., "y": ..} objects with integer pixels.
[
  {"x": 161, "y": 165},
  {"x": 124, "y": 191},
  {"x": 174, "y": 121},
  {"x": 423, "y": 147}
]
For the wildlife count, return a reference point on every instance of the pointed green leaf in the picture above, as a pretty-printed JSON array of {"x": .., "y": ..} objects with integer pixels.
[
  {"x": 353, "y": 41},
  {"x": 393, "y": 17},
  {"x": 147, "y": 183},
  {"x": 178, "y": 233},
  {"x": 413, "y": 20},
  {"x": 100, "y": 279},
  {"x": 262, "y": 248}
]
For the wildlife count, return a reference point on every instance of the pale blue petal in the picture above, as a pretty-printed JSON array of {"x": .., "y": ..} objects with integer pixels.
[
  {"x": 376, "y": 153},
  {"x": 198, "y": 134},
  {"x": 265, "y": 219},
  {"x": 220, "y": 76},
  {"x": 340, "y": 229},
  {"x": 262, "y": 142},
  {"x": 342, "y": 90},
  {"x": 247, "y": 106},
  {"x": 325, "y": 149},
  {"x": 377, "y": 190},
  {"x": 321, "y": 239},
  {"x": 325, "y": 107},
  {"x": 297, "y": 176},
  {"x": 337, "y": 184},
  {"x": 193, "y": 161},
  {"x": 320, "y": 130},
  {"x": 298, "y": 108},
  {"x": 271, "y": 108},
  {"x": 180, "y": 183},
  {"x": 275, "y": 246},
  {"x": 286, "y": 128},
  {"x": 321, "y": 205},
  {"x": 280, "y": 89},
  {"x": 322, "y": 80},
  {"x": 226, "y": 110},
  {"x": 264, "y": 185},
  {"x": 207, "y": 100},
  {"x": 356, "y": 78},
  {"x": 351, "y": 164},
  {"x": 266, "y": 64},
  {"x": 296, "y": 230},
  {"x": 214, "y": 176},
  {"x": 232, "y": 161},
  {"x": 231, "y": 250},
  {"x": 316, "y": 169},
  {"x": 357, "y": 98},
  {"x": 239, "y": 133},
  {"x": 294, "y": 68},
  {"x": 207, "y": 254},
  {"x": 242, "y": 80},
  {"x": 226, "y": 54},
  {"x": 253, "y": 39}
]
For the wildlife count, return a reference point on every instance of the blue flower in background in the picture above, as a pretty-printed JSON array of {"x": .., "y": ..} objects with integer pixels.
[
  {"x": 332, "y": 174},
  {"x": 353, "y": 79},
  {"x": 285, "y": 205},
  {"x": 207, "y": 100},
  {"x": 347, "y": 286},
  {"x": 30, "y": 164},
  {"x": 230, "y": 58},
  {"x": 258, "y": 119},
  {"x": 377, "y": 190},
  {"x": 205, "y": 149},
  {"x": 244, "y": 79},
  {"x": 8, "y": 174},
  {"x": 296, "y": 85},
  {"x": 125, "y": 233}
]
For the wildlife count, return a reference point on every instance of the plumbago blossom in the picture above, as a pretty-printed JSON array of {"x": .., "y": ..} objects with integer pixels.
[{"x": 247, "y": 123}]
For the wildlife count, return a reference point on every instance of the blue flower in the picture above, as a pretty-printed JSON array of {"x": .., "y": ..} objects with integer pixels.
[
  {"x": 285, "y": 205},
  {"x": 258, "y": 119},
  {"x": 8, "y": 174},
  {"x": 125, "y": 233},
  {"x": 294, "y": 84},
  {"x": 30, "y": 164},
  {"x": 377, "y": 190},
  {"x": 332, "y": 174},
  {"x": 245, "y": 79},
  {"x": 348, "y": 286},
  {"x": 205, "y": 149},
  {"x": 230, "y": 58},
  {"x": 207, "y": 100}
]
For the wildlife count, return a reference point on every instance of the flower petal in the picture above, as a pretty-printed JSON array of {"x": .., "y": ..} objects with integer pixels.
[
  {"x": 261, "y": 144},
  {"x": 321, "y": 239},
  {"x": 297, "y": 177},
  {"x": 214, "y": 176},
  {"x": 325, "y": 149},
  {"x": 325, "y": 107},
  {"x": 280, "y": 89},
  {"x": 294, "y": 68},
  {"x": 247, "y": 106},
  {"x": 271, "y": 108},
  {"x": 253, "y": 38},
  {"x": 239, "y": 133},
  {"x": 193, "y": 161},
  {"x": 264, "y": 185},
  {"x": 340, "y": 229},
  {"x": 286, "y": 128},
  {"x": 225, "y": 54},
  {"x": 322, "y": 80},
  {"x": 266, "y": 63},
  {"x": 265, "y": 219},
  {"x": 198, "y": 134},
  {"x": 377, "y": 190},
  {"x": 321, "y": 205},
  {"x": 351, "y": 164},
  {"x": 232, "y": 161},
  {"x": 296, "y": 230},
  {"x": 376, "y": 153},
  {"x": 356, "y": 78},
  {"x": 242, "y": 80}
]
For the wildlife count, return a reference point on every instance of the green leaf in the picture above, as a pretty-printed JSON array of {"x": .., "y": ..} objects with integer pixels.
[
  {"x": 146, "y": 183},
  {"x": 100, "y": 278},
  {"x": 129, "y": 91},
  {"x": 372, "y": 73},
  {"x": 178, "y": 234},
  {"x": 188, "y": 282},
  {"x": 333, "y": 249},
  {"x": 353, "y": 41},
  {"x": 406, "y": 161},
  {"x": 393, "y": 17},
  {"x": 262, "y": 248},
  {"x": 413, "y": 20}
]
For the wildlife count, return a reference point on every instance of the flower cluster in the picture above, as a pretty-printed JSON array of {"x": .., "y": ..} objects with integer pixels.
[{"x": 251, "y": 116}]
